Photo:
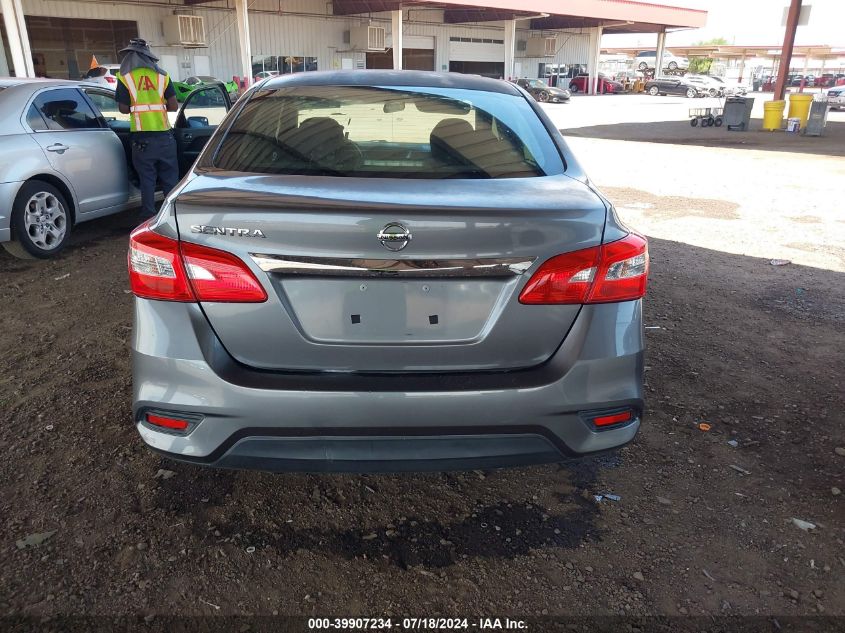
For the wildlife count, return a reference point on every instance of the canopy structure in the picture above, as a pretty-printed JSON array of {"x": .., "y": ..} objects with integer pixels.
[
  {"x": 619, "y": 16},
  {"x": 599, "y": 16}
]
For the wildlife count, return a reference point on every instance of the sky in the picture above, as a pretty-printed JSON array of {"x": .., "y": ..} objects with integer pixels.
[{"x": 750, "y": 22}]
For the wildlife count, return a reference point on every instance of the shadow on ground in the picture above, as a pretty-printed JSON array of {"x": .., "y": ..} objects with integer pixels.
[{"x": 832, "y": 143}]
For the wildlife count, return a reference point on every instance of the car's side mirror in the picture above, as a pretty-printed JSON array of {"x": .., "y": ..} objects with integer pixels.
[{"x": 197, "y": 121}]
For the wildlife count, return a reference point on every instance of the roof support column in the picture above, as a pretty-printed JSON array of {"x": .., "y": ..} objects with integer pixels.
[
  {"x": 786, "y": 51},
  {"x": 396, "y": 36},
  {"x": 741, "y": 67},
  {"x": 242, "y": 16},
  {"x": 594, "y": 59},
  {"x": 18, "y": 38},
  {"x": 510, "y": 48},
  {"x": 658, "y": 55}
]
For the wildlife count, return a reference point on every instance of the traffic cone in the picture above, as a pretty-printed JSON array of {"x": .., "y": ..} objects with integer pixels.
[{"x": 94, "y": 63}]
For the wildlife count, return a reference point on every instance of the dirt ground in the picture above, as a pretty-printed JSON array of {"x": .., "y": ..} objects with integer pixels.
[{"x": 703, "y": 526}]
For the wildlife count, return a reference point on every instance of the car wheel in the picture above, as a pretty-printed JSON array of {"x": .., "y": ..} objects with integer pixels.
[
  {"x": 673, "y": 66},
  {"x": 573, "y": 88},
  {"x": 543, "y": 96},
  {"x": 718, "y": 121},
  {"x": 40, "y": 221},
  {"x": 654, "y": 91},
  {"x": 713, "y": 92},
  {"x": 694, "y": 121},
  {"x": 643, "y": 66},
  {"x": 691, "y": 93}
]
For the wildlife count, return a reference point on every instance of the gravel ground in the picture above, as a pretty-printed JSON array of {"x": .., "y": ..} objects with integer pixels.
[{"x": 706, "y": 520}]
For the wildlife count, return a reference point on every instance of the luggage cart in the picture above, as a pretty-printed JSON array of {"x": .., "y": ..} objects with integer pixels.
[{"x": 706, "y": 117}]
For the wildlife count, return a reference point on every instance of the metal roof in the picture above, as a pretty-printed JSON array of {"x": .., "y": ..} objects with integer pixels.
[{"x": 613, "y": 15}]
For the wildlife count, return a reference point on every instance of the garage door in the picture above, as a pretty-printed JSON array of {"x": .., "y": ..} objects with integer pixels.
[
  {"x": 476, "y": 49},
  {"x": 413, "y": 41},
  {"x": 62, "y": 47},
  {"x": 412, "y": 59}
]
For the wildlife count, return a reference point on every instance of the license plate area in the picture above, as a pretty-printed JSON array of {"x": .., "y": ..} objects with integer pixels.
[{"x": 393, "y": 311}]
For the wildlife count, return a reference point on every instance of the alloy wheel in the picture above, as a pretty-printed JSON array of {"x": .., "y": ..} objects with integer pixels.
[{"x": 45, "y": 220}]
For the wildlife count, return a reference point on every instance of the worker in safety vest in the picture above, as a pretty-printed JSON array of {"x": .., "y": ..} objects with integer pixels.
[{"x": 145, "y": 93}]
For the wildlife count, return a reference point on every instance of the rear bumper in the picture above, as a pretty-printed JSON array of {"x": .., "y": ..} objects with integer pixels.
[
  {"x": 307, "y": 421},
  {"x": 8, "y": 191}
]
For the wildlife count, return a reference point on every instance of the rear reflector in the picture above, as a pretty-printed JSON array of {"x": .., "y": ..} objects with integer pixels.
[
  {"x": 617, "y": 271},
  {"x": 613, "y": 418},
  {"x": 169, "y": 270},
  {"x": 167, "y": 423}
]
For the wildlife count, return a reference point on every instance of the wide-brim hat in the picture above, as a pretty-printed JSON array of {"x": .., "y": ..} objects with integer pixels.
[{"x": 139, "y": 46}]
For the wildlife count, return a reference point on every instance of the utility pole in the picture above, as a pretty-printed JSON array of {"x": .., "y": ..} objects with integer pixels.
[{"x": 786, "y": 51}]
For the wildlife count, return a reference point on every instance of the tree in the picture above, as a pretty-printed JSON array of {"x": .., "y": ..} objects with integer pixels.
[{"x": 702, "y": 65}]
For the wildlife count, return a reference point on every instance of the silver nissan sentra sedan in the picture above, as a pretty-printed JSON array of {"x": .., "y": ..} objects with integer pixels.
[{"x": 385, "y": 271}]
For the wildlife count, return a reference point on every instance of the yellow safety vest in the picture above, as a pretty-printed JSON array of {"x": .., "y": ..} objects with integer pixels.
[{"x": 149, "y": 108}]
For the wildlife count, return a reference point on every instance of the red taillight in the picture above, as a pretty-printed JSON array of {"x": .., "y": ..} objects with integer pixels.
[
  {"x": 155, "y": 268},
  {"x": 110, "y": 79},
  {"x": 617, "y": 271},
  {"x": 167, "y": 423},
  {"x": 169, "y": 270},
  {"x": 220, "y": 276}
]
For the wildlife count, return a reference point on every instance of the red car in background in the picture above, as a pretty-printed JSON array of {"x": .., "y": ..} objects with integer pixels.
[{"x": 606, "y": 85}]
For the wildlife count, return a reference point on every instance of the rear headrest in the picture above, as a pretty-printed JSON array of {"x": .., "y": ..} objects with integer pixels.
[{"x": 52, "y": 108}]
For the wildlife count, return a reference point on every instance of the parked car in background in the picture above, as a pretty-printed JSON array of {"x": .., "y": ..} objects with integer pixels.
[
  {"x": 184, "y": 88},
  {"x": 706, "y": 84},
  {"x": 606, "y": 85},
  {"x": 64, "y": 157},
  {"x": 327, "y": 291},
  {"x": 730, "y": 88},
  {"x": 105, "y": 75},
  {"x": 836, "y": 97},
  {"x": 542, "y": 91},
  {"x": 825, "y": 80},
  {"x": 674, "y": 86},
  {"x": 646, "y": 59},
  {"x": 266, "y": 73}
]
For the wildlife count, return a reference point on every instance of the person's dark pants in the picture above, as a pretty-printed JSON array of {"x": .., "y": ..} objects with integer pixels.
[{"x": 155, "y": 159}]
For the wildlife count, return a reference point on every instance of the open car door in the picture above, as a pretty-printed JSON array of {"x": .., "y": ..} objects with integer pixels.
[{"x": 200, "y": 114}]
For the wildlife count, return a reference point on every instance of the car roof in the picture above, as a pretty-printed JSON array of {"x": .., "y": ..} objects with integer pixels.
[{"x": 409, "y": 78}]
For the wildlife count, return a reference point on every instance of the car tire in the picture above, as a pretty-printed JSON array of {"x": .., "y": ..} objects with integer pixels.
[
  {"x": 718, "y": 121},
  {"x": 713, "y": 92},
  {"x": 673, "y": 66},
  {"x": 643, "y": 66},
  {"x": 41, "y": 222},
  {"x": 543, "y": 96},
  {"x": 694, "y": 121},
  {"x": 691, "y": 93},
  {"x": 654, "y": 91},
  {"x": 573, "y": 88}
]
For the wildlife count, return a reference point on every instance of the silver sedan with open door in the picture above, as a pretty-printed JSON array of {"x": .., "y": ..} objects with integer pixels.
[{"x": 64, "y": 157}]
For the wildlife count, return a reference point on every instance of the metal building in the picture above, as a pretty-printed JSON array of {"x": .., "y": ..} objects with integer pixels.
[{"x": 226, "y": 38}]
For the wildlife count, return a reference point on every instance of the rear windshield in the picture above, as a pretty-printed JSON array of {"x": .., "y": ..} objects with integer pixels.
[{"x": 386, "y": 132}]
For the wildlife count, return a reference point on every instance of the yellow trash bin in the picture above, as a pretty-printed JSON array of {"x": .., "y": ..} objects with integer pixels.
[
  {"x": 773, "y": 115},
  {"x": 799, "y": 107}
]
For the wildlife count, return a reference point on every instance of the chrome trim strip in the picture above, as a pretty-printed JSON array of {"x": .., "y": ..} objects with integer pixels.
[{"x": 419, "y": 268}]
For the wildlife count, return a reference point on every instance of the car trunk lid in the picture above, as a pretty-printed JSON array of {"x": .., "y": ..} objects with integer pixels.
[{"x": 343, "y": 296}]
